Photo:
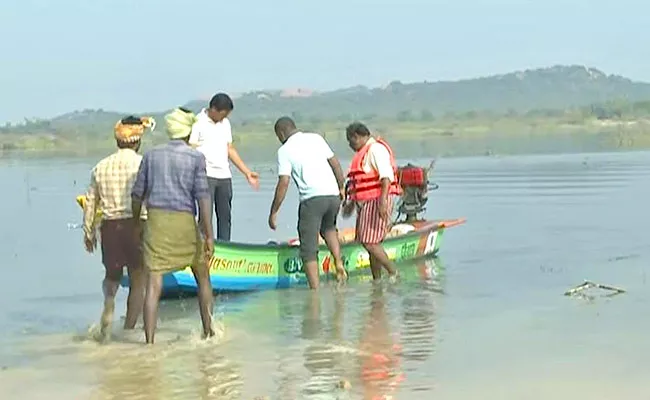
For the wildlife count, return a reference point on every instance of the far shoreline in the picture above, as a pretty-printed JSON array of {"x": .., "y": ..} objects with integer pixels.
[{"x": 408, "y": 141}]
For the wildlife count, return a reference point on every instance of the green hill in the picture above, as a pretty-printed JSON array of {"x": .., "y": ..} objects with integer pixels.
[
  {"x": 570, "y": 93},
  {"x": 557, "y": 87}
]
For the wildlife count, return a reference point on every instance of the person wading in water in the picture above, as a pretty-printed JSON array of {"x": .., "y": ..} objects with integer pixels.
[
  {"x": 309, "y": 161},
  {"x": 170, "y": 182},
  {"x": 109, "y": 192},
  {"x": 372, "y": 179}
]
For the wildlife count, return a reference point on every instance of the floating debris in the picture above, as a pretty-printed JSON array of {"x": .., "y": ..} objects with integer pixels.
[
  {"x": 344, "y": 384},
  {"x": 580, "y": 289},
  {"x": 74, "y": 226}
]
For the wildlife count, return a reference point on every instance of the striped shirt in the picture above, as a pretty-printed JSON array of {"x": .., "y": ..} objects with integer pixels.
[
  {"x": 172, "y": 177},
  {"x": 111, "y": 181}
]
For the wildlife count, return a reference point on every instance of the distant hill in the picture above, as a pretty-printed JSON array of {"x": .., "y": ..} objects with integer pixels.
[{"x": 557, "y": 87}]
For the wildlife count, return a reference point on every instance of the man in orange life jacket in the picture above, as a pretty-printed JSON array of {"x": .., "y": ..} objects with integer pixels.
[{"x": 371, "y": 181}]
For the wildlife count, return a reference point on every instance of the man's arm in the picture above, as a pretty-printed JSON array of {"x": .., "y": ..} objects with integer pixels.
[
  {"x": 280, "y": 193},
  {"x": 338, "y": 172},
  {"x": 140, "y": 187},
  {"x": 284, "y": 174},
  {"x": 381, "y": 162},
  {"x": 385, "y": 184},
  {"x": 90, "y": 209},
  {"x": 334, "y": 164},
  {"x": 233, "y": 155},
  {"x": 201, "y": 194}
]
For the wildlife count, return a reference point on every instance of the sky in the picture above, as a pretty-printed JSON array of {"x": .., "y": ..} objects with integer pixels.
[{"x": 148, "y": 55}]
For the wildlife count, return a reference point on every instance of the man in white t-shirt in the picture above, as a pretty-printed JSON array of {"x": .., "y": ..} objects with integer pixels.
[
  {"x": 309, "y": 161},
  {"x": 212, "y": 136}
]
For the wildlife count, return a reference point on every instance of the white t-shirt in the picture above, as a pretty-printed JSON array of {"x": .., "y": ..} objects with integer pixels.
[
  {"x": 212, "y": 139},
  {"x": 378, "y": 159},
  {"x": 304, "y": 158}
]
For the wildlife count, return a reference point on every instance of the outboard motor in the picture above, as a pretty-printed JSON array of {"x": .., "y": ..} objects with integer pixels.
[{"x": 415, "y": 185}]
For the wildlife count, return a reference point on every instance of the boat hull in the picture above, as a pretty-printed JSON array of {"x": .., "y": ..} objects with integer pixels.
[{"x": 249, "y": 267}]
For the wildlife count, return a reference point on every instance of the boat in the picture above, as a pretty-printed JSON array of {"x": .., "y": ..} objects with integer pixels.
[{"x": 237, "y": 267}]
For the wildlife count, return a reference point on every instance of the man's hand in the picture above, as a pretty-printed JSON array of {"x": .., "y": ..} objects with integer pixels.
[
  {"x": 383, "y": 208},
  {"x": 272, "y": 221},
  {"x": 348, "y": 209},
  {"x": 208, "y": 249},
  {"x": 137, "y": 230},
  {"x": 90, "y": 244},
  {"x": 253, "y": 179}
]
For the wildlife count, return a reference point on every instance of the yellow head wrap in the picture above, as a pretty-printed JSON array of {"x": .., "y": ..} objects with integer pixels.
[
  {"x": 130, "y": 133},
  {"x": 179, "y": 123}
]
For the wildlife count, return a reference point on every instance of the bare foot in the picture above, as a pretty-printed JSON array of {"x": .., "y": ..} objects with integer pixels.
[
  {"x": 392, "y": 278},
  {"x": 341, "y": 275},
  {"x": 107, "y": 319}
]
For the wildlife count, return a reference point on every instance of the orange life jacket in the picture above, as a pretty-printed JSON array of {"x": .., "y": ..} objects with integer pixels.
[{"x": 366, "y": 185}]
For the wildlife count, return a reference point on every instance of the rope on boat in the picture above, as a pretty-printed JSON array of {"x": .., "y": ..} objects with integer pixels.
[{"x": 578, "y": 290}]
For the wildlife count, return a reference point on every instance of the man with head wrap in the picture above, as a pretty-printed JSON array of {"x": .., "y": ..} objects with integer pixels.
[
  {"x": 170, "y": 182},
  {"x": 110, "y": 193}
]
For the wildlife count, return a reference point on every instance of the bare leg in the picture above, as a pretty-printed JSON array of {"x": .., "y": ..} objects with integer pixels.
[
  {"x": 109, "y": 287},
  {"x": 154, "y": 287},
  {"x": 311, "y": 270},
  {"x": 375, "y": 267},
  {"x": 331, "y": 238},
  {"x": 135, "y": 300},
  {"x": 202, "y": 276},
  {"x": 376, "y": 252}
]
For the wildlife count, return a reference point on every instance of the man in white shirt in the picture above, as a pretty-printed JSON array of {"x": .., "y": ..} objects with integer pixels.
[
  {"x": 310, "y": 162},
  {"x": 212, "y": 136}
]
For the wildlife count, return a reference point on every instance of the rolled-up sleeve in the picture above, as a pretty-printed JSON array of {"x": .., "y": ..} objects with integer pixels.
[
  {"x": 200, "y": 187},
  {"x": 141, "y": 179},
  {"x": 284, "y": 163}
]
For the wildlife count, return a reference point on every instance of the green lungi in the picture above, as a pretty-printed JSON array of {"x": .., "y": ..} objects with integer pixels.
[{"x": 171, "y": 241}]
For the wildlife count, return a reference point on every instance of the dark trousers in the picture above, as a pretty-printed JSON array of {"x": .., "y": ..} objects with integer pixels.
[{"x": 221, "y": 193}]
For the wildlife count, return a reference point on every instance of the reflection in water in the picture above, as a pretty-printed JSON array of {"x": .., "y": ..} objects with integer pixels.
[
  {"x": 182, "y": 367},
  {"x": 130, "y": 374},
  {"x": 538, "y": 226},
  {"x": 218, "y": 378},
  {"x": 190, "y": 370},
  {"x": 317, "y": 342},
  {"x": 320, "y": 359},
  {"x": 419, "y": 312},
  {"x": 333, "y": 359},
  {"x": 379, "y": 353}
]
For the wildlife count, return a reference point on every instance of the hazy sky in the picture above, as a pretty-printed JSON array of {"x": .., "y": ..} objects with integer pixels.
[{"x": 145, "y": 55}]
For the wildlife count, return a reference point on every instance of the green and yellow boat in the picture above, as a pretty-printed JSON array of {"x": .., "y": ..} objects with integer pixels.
[{"x": 248, "y": 267}]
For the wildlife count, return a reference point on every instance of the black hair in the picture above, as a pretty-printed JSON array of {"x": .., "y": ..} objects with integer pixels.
[
  {"x": 131, "y": 120},
  {"x": 221, "y": 102},
  {"x": 284, "y": 124},
  {"x": 185, "y": 110},
  {"x": 357, "y": 128}
]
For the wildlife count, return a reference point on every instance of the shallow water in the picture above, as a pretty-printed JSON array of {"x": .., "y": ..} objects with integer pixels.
[{"x": 491, "y": 322}]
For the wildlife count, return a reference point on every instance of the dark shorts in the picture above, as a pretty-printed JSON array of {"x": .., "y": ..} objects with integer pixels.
[
  {"x": 119, "y": 247},
  {"x": 316, "y": 215}
]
